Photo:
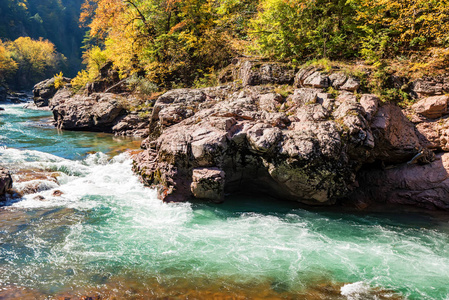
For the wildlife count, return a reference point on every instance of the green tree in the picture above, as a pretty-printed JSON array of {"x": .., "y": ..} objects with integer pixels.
[{"x": 305, "y": 29}]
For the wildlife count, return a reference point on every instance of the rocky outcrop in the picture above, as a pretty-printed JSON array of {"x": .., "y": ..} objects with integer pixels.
[
  {"x": 45, "y": 90},
  {"x": 317, "y": 141},
  {"x": 432, "y": 107},
  {"x": 101, "y": 112},
  {"x": 310, "y": 146},
  {"x": 423, "y": 180},
  {"x": 5, "y": 181},
  {"x": 108, "y": 80},
  {"x": 132, "y": 124},
  {"x": 252, "y": 72},
  {"x": 428, "y": 86},
  {"x": 97, "y": 112},
  {"x": 315, "y": 77},
  {"x": 307, "y": 147}
]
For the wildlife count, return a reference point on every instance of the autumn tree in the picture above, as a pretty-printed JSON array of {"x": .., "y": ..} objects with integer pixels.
[
  {"x": 35, "y": 59},
  {"x": 55, "y": 20},
  {"x": 172, "y": 41},
  {"x": 7, "y": 65}
]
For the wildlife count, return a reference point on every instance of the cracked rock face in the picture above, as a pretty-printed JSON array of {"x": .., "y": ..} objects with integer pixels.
[{"x": 310, "y": 154}]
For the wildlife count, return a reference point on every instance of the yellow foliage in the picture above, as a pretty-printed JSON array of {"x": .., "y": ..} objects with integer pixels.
[
  {"x": 26, "y": 61},
  {"x": 7, "y": 64},
  {"x": 59, "y": 82},
  {"x": 33, "y": 55},
  {"x": 80, "y": 80}
]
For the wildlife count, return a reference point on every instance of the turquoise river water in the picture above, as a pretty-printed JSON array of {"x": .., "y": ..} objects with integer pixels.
[{"x": 108, "y": 236}]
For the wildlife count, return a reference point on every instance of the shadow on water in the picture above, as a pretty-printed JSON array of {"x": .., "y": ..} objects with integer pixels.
[{"x": 399, "y": 216}]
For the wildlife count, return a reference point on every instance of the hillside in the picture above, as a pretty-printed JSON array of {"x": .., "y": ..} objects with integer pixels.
[{"x": 55, "y": 20}]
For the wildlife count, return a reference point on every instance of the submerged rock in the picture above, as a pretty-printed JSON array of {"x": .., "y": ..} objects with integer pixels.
[{"x": 30, "y": 181}]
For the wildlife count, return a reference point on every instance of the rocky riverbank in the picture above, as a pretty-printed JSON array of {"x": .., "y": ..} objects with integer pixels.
[
  {"x": 306, "y": 135},
  {"x": 104, "y": 106},
  {"x": 315, "y": 145}
]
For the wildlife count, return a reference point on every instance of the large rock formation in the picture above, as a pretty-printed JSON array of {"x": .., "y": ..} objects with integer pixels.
[
  {"x": 310, "y": 146},
  {"x": 5, "y": 181},
  {"x": 316, "y": 139},
  {"x": 424, "y": 184},
  {"x": 307, "y": 147}
]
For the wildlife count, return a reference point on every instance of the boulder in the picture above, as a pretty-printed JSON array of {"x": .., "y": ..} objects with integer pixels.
[
  {"x": 96, "y": 112},
  {"x": 303, "y": 74},
  {"x": 337, "y": 80},
  {"x": 352, "y": 84},
  {"x": 5, "y": 181},
  {"x": 131, "y": 124},
  {"x": 432, "y": 107},
  {"x": 45, "y": 90},
  {"x": 428, "y": 86},
  {"x": 317, "y": 80},
  {"x": 256, "y": 73},
  {"x": 208, "y": 184}
]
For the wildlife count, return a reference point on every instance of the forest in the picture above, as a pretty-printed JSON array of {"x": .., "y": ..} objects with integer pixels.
[
  {"x": 51, "y": 21},
  {"x": 186, "y": 42}
]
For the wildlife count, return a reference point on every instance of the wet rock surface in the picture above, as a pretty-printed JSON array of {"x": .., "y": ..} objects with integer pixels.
[{"x": 5, "y": 181}]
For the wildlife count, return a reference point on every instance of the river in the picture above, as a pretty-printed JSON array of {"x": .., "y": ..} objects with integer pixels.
[{"x": 104, "y": 234}]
